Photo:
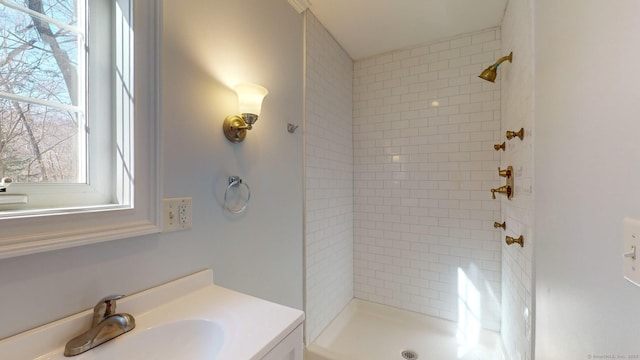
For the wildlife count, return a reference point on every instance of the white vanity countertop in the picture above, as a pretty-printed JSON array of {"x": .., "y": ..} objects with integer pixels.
[{"x": 250, "y": 327}]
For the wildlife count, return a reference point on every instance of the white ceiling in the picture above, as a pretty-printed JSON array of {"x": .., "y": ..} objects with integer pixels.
[{"x": 371, "y": 27}]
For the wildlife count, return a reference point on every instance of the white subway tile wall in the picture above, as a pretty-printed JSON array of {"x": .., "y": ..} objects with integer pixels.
[
  {"x": 424, "y": 164},
  {"x": 328, "y": 178},
  {"x": 517, "y": 107}
]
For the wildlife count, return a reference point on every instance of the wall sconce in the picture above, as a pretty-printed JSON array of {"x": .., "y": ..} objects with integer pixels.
[
  {"x": 250, "y": 98},
  {"x": 491, "y": 72}
]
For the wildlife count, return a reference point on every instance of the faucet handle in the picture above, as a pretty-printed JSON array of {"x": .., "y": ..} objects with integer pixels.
[
  {"x": 519, "y": 134},
  {"x": 105, "y": 308},
  {"x": 505, "y": 173},
  {"x": 498, "y": 225}
]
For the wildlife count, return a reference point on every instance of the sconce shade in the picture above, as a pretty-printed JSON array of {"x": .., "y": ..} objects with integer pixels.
[{"x": 250, "y": 98}]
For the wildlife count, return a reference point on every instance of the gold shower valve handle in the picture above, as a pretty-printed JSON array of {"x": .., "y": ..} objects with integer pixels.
[
  {"x": 512, "y": 134},
  {"x": 498, "y": 225},
  {"x": 504, "y": 189},
  {"x": 510, "y": 240},
  {"x": 505, "y": 173},
  {"x": 499, "y": 147}
]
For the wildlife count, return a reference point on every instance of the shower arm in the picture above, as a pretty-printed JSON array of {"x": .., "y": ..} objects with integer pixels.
[{"x": 503, "y": 59}]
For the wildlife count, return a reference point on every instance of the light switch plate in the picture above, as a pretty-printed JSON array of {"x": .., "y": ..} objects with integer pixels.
[
  {"x": 631, "y": 263},
  {"x": 176, "y": 214}
]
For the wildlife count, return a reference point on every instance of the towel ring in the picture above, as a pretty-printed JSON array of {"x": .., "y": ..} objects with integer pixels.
[{"x": 236, "y": 181}]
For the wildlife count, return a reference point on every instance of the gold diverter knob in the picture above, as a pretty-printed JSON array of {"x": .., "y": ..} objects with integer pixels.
[
  {"x": 510, "y": 240},
  {"x": 505, "y": 173},
  {"x": 519, "y": 134}
]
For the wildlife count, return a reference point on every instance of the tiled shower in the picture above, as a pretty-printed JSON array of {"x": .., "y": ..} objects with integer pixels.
[
  {"x": 424, "y": 129},
  {"x": 423, "y": 161}
]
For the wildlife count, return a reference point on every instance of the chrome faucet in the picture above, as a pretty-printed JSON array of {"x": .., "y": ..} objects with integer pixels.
[{"x": 106, "y": 325}]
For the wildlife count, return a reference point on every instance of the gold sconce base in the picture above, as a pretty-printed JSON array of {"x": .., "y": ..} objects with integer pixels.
[{"x": 235, "y": 129}]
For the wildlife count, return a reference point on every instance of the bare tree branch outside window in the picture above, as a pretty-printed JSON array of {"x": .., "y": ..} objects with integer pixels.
[{"x": 40, "y": 103}]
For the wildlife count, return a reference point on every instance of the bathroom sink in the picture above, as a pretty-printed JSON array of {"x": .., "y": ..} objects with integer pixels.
[
  {"x": 186, "y": 339},
  {"x": 187, "y": 319}
]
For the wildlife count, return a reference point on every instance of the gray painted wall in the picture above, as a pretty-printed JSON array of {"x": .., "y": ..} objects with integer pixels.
[{"x": 207, "y": 47}]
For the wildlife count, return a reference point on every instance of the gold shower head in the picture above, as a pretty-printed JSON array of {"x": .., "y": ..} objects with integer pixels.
[{"x": 491, "y": 72}]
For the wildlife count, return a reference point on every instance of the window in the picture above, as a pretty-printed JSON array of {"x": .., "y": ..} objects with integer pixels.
[
  {"x": 66, "y": 102},
  {"x": 69, "y": 132}
]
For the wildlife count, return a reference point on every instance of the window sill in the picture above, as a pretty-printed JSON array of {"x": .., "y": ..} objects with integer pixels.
[
  {"x": 13, "y": 199},
  {"x": 31, "y": 243}
]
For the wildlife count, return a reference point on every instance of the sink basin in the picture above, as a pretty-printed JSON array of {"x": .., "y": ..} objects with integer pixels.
[
  {"x": 187, "y": 339},
  {"x": 187, "y": 319}
]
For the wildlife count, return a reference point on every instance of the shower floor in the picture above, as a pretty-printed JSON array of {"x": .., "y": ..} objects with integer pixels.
[{"x": 369, "y": 331}]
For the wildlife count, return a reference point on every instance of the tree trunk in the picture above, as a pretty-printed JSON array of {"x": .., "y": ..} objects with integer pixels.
[
  {"x": 62, "y": 58},
  {"x": 35, "y": 147}
]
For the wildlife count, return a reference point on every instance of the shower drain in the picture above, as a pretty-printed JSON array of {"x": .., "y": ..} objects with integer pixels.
[{"x": 409, "y": 355}]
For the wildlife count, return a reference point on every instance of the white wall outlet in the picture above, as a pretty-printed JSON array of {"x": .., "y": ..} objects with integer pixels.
[
  {"x": 176, "y": 214},
  {"x": 631, "y": 263}
]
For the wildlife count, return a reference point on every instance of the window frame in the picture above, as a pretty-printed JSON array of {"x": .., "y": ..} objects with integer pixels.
[
  {"x": 52, "y": 229},
  {"x": 100, "y": 112},
  {"x": 43, "y": 195}
]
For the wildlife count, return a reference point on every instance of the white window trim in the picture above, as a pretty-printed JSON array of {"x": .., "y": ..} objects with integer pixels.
[{"x": 69, "y": 228}]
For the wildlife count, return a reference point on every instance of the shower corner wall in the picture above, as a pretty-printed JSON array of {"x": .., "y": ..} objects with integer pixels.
[
  {"x": 328, "y": 178},
  {"x": 517, "y": 112}
]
